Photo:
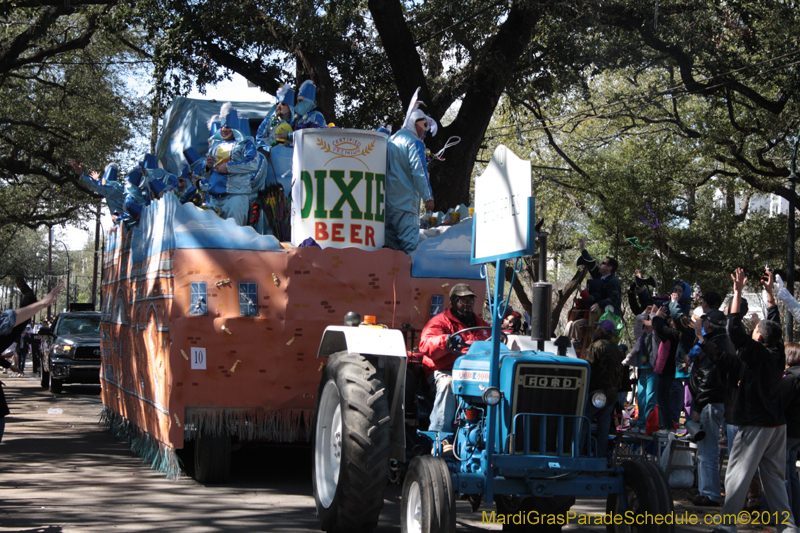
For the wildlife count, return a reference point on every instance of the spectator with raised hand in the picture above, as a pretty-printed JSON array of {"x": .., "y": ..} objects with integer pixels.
[
  {"x": 708, "y": 384},
  {"x": 611, "y": 291},
  {"x": 8, "y": 321},
  {"x": 758, "y": 411}
]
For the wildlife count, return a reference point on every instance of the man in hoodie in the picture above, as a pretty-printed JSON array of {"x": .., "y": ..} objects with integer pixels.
[
  {"x": 407, "y": 182},
  {"x": 761, "y": 439},
  {"x": 680, "y": 310},
  {"x": 707, "y": 382}
]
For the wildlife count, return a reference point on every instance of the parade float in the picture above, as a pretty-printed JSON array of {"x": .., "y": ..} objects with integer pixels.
[{"x": 210, "y": 331}]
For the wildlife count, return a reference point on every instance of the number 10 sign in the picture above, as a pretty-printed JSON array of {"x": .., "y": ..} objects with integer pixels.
[{"x": 198, "y": 358}]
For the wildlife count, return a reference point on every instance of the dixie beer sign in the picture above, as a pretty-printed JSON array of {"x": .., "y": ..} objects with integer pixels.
[{"x": 339, "y": 188}]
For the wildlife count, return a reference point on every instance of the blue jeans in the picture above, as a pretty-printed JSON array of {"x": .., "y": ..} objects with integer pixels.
[
  {"x": 708, "y": 452},
  {"x": 603, "y": 416},
  {"x": 731, "y": 429},
  {"x": 792, "y": 481},
  {"x": 664, "y": 410},
  {"x": 678, "y": 401},
  {"x": 21, "y": 358},
  {"x": 443, "y": 411},
  {"x": 646, "y": 396}
]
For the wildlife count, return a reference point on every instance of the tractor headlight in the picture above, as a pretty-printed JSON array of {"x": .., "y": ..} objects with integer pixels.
[
  {"x": 492, "y": 396},
  {"x": 598, "y": 399}
]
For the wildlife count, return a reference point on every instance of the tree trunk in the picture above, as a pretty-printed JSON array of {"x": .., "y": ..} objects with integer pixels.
[{"x": 488, "y": 76}]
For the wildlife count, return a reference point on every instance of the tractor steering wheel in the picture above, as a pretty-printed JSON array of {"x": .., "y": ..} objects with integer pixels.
[{"x": 455, "y": 348}]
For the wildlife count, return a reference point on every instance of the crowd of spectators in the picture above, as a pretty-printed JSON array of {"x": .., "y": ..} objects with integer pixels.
[{"x": 733, "y": 377}]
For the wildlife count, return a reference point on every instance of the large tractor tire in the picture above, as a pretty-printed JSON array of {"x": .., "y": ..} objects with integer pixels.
[
  {"x": 212, "y": 459},
  {"x": 351, "y": 444},
  {"x": 532, "y": 509},
  {"x": 647, "y": 493},
  {"x": 428, "y": 504}
]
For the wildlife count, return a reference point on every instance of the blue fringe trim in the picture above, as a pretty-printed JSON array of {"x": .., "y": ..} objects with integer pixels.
[{"x": 161, "y": 457}]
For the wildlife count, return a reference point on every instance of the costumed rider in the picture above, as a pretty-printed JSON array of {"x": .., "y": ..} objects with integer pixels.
[
  {"x": 108, "y": 186},
  {"x": 407, "y": 180},
  {"x": 276, "y": 128},
  {"x": 137, "y": 195},
  {"x": 306, "y": 114},
  {"x": 437, "y": 359},
  {"x": 232, "y": 168},
  {"x": 186, "y": 191}
]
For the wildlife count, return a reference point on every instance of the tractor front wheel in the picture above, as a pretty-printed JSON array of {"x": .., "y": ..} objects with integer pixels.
[
  {"x": 351, "y": 444},
  {"x": 428, "y": 504},
  {"x": 647, "y": 493}
]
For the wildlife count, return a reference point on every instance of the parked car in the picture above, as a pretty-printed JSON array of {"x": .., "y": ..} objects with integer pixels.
[{"x": 71, "y": 350}]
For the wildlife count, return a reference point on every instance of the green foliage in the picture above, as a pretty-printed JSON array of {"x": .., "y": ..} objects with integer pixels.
[{"x": 61, "y": 97}]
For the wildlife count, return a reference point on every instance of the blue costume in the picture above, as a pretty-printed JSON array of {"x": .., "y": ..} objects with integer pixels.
[
  {"x": 231, "y": 194},
  {"x": 136, "y": 193},
  {"x": 113, "y": 190},
  {"x": 406, "y": 183},
  {"x": 306, "y": 114},
  {"x": 267, "y": 134}
]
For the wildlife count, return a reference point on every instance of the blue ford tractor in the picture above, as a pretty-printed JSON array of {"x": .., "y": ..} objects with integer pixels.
[
  {"x": 517, "y": 441},
  {"x": 521, "y": 438}
]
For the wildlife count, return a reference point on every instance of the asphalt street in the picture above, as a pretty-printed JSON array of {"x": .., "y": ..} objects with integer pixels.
[{"x": 61, "y": 472}]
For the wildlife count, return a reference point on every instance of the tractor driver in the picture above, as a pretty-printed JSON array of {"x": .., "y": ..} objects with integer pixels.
[{"x": 438, "y": 360}]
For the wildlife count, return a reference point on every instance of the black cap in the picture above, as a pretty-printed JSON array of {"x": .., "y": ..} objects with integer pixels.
[
  {"x": 713, "y": 299},
  {"x": 716, "y": 318},
  {"x": 462, "y": 289}
]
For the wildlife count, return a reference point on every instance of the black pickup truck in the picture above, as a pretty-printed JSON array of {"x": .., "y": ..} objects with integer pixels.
[{"x": 71, "y": 350}]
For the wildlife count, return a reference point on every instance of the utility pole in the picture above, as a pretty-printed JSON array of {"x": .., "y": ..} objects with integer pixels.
[
  {"x": 96, "y": 256},
  {"x": 49, "y": 267}
]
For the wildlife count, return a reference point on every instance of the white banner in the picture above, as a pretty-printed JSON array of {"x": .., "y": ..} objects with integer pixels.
[
  {"x": 503, "y": 223},
  {"x": 339, "y": 188}
]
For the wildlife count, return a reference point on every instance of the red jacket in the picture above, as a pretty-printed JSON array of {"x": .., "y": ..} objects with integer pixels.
[{"x": 434, "y": 354}]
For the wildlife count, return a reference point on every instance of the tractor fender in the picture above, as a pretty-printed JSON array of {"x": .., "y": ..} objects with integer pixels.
[
  {"x": 366, "y": 341},
  {"x": 386, "y": 348}
]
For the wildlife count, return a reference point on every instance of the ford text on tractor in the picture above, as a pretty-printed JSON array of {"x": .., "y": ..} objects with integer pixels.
[{"x": 519, "y": 418}]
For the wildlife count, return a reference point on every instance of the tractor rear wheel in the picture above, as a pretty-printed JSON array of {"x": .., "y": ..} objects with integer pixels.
[
  {"x": 212, "y": 458},
  {"x": 647, "y": 493},
  {"x": 428, "y": 504},
  {"x": 351, "y": 444}
]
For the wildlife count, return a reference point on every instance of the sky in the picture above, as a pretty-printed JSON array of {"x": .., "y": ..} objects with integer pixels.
[{"x": 235, "y": 89}]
